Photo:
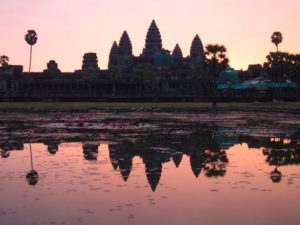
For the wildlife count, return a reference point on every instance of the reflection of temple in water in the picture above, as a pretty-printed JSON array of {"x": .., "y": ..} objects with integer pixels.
[
  {"x": 197, "y": 162},
  {"x": 155, "y": 151},
  {"x": 177, "y": 157},
  {"x": 206, "y": 150},
  {"x": 121, "y": 159},
  {"x": 90, "y": 151}
]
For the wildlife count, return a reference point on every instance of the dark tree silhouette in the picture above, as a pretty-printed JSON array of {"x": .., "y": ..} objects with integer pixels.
[
  {"x": 4, "y": 154},
  {"x": 275, "y": 175},
  {"x": 277, "y": 65},
  {"x": 32, "y": 177},
  {"x": 31, "y": 39},
  {"x": 4, "y": 60},
  {"x": 215, "y": 163},
  {"x": 276, "y": 38},
  {"x": 216, "y": 61},
  {"x": 282, "y": 65}
]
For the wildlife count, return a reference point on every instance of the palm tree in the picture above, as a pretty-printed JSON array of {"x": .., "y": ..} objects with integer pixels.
[
  {"x": 276, "y": 38},
  {"x": 217, "y": 52},
  {"x": 4, "y": 60},
  {"x": 216, "y": 61},
  {"x": 32, "y": 176},
  {"x": 214, "y": 49},
  {"x": 31, "y": 39}
]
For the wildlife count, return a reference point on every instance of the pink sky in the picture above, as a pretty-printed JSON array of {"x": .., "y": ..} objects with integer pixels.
[{"x": 69, "y": 28}]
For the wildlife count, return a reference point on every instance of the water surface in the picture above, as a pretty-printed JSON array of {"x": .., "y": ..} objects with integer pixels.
[{"x": 149, "y": 168}]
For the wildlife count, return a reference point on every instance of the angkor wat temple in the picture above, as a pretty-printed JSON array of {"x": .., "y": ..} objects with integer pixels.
[{"x": 156, "y": 74}]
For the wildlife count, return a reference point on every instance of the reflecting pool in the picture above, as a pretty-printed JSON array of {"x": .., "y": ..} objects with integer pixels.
[{"x": 150, "y": 167}]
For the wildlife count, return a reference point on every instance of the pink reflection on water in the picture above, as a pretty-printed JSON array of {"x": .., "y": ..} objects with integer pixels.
[{"x": 72, "y": 190}]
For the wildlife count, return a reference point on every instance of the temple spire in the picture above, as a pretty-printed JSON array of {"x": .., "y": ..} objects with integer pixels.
[
  {"x": 197, "y": 51},
  {"x": 177, "y": 159},
  {"x": 90, "y": 61},
  {"x": 125, "y": 166},
  {"x": 125, "y": 46},
  {"x": 196, "y": 160},
  {"x": 153, "y": 173},
  {"x": 113, "y": 55},
  {"x": 153, "y": 40},
  {"x": 177, "y": 53}
]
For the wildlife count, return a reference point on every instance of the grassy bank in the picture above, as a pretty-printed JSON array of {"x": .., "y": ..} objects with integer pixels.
[{"x": 294, "y": 106}]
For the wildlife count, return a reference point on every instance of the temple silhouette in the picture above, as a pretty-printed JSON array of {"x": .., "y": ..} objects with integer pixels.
[
  {"x": 121, "y": 55},
  {"x": 206, "y": 150},
  {"x": 156, "y": 74}
]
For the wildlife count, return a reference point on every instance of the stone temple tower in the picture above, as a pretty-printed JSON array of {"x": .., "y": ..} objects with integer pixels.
[
  {"x": 114, "y": 55},
  {"x": 90, "y": 61},
  {"x": 153, "y": 41},
  {"x": 197, "y": 52},
  {"x": 177, "y": 53},
  {"x": 125, "y": 46},
  {"x": 121, "y": 55}
]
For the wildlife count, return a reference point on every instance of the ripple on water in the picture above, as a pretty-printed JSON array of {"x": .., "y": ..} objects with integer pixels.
[
  {"x": 131, "y": 216},
  {"x": 86, "y": 211},
  {"x": 266, "y": 190}
]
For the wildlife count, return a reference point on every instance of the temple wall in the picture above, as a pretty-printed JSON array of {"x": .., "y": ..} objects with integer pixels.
[{"x": 43, "y": 87}]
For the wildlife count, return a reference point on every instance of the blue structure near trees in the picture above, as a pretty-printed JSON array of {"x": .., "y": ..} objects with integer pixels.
[
  {"x": 229, "y": 79},
  {"x": 163, "y": 59},
  {"x": 228, "y": 76}
]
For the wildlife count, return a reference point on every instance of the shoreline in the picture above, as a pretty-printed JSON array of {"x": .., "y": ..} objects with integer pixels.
[{"x": 148, "y": 106}]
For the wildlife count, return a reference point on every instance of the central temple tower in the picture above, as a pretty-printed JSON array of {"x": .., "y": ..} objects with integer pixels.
[
  {"x": 197, "y": 51},
  {"x": 153, "y": 41}
]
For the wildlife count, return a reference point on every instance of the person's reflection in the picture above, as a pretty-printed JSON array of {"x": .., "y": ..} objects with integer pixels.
[
  {"x": 4, "y": 154},
  {"x": 275, "y": 175},
  {"x": 32, "y": 176}
]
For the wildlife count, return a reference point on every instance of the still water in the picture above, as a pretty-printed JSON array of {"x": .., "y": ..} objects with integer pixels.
[{"x": 150, "y": 168}]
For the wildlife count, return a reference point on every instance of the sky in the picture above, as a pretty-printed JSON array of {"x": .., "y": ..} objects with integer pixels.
[{"x": 69, "y": 28}]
